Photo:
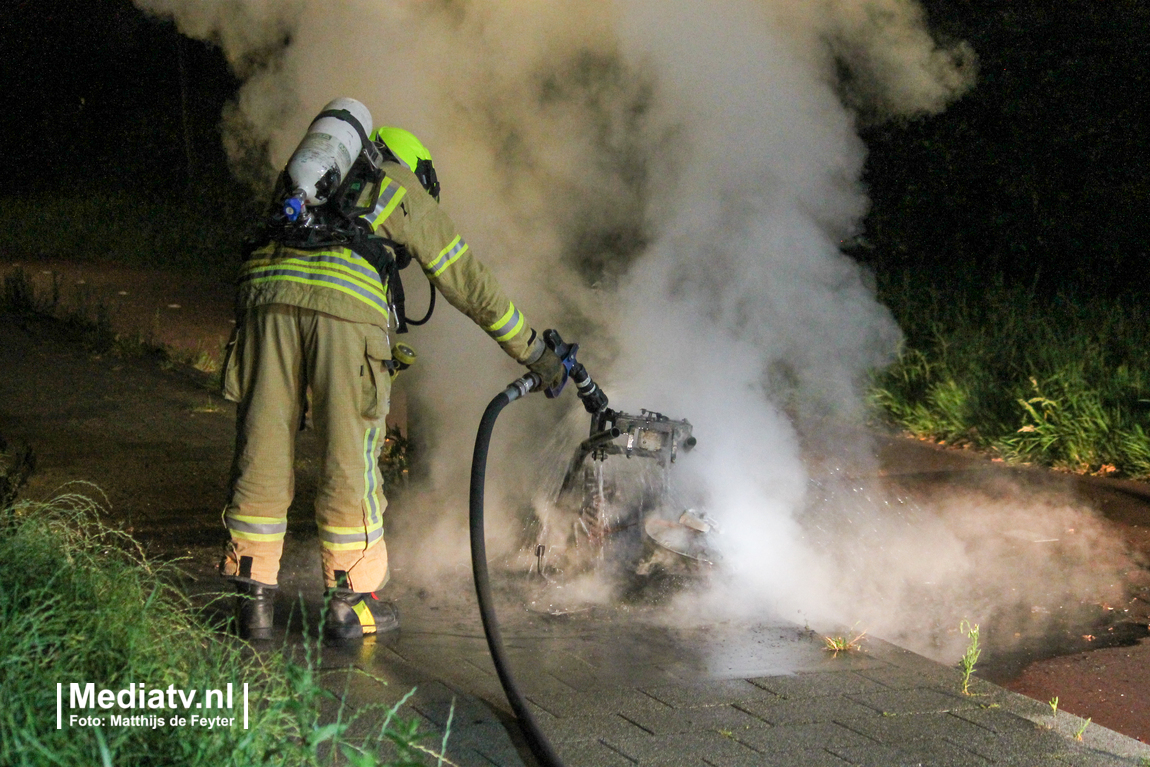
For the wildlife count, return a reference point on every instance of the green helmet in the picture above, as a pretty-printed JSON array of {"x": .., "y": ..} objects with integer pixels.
[{"x": 411, "y": 152}]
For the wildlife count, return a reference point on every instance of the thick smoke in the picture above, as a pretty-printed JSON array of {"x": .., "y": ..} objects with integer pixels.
[{"x": 667, "y": 183}]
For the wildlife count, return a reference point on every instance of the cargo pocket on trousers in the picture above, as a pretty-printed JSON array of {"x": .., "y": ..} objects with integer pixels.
[
  {"x": 376, "y": 378},
  {"x": 230, "y": 386}
]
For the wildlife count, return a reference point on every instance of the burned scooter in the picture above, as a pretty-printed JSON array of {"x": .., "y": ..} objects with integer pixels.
[{"x": 625, "y": 513}]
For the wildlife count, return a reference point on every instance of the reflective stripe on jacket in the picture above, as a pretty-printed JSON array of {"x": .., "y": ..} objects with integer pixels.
[
  {"x": 335, "y": 281},
  {"x": 417, "y": 221},
  {"x": 339, "y": 282},
  {"x": 339, "y": 269}
]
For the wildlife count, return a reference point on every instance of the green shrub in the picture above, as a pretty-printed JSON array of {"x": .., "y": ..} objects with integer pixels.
[
  {"x": 1062, "y": 381},
  {"x": 199, "y": 233}
]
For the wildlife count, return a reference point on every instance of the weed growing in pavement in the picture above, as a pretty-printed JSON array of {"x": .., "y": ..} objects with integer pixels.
[
  {"x": 1082, "y": 730},
  {"x": 211, "y": 406},
  {"x": 1054, "y": 705},
  {"x": 203, "y": 360},
  {"x": 970, "y": 657},
  {"x": 844, "y": 643},
  {"x": 1062, "y": 381},
  {"x": 82, "y": 604}
]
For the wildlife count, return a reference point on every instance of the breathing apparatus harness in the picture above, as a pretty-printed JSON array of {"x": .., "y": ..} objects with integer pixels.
[{"x": 338, "y": 222}]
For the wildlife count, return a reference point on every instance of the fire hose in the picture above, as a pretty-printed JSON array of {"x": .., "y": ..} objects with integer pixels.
[{"x": 594, "y": 401}]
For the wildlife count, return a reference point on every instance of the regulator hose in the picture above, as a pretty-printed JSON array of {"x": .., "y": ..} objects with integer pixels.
[
  {"x": 430, "y": 309},
  {"x": 536, "y": 741}
]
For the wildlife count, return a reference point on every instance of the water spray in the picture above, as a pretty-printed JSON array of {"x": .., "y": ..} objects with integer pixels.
[{"x": 649, "y": 435}]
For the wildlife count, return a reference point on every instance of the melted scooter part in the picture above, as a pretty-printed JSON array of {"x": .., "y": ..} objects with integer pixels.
[
  {"x": 688, "y": 536},
  {"x": 613, "y": 501}
]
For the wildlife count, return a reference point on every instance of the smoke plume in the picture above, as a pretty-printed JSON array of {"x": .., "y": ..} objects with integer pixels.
[{"x": 667, "y": 183}]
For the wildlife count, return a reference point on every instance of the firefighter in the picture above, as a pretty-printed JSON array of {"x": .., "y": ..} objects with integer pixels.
[{"x": 316, "y": 315}]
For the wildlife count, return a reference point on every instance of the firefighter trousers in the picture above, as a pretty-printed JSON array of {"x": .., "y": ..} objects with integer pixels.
[{"x": 278, "y": 352}]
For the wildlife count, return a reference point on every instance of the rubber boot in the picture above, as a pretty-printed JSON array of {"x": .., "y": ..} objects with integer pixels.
[
  {"x": 352, "y": 616},
  {"x": 255, "y": 610}
]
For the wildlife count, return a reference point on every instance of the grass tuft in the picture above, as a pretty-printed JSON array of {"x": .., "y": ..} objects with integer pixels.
[
  {"x": 844, "y": 643},
  {"x": 80, "y": 603}
]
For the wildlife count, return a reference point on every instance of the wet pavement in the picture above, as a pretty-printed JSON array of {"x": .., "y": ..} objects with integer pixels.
[
  {"x": 620, "y": 686},
  {"x": 624, "y": 692},
  {"x": 609, "y": 687}
]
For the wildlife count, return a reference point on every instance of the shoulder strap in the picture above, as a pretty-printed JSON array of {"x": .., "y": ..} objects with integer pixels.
[
  {"x": 388, "y": 257},
  {"x": 366, "y": 143}
]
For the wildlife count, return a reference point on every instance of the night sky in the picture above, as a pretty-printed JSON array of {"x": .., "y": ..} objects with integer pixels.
[
  {"x": 99, "y": 85},
  {"x": 1041, "y": 174}
]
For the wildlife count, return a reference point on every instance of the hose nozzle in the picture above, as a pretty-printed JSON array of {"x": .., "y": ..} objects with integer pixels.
[{"x": 593, "y": 398}]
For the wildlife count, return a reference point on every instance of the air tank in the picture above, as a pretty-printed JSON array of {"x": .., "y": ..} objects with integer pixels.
[{"x": 325, "y": 154}]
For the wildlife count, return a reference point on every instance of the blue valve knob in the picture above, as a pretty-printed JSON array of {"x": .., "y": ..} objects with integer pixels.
[{"x": 293, "y": 208}]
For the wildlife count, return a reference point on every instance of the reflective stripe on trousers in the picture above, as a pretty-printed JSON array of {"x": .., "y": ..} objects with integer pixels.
[{"x": 280, "y": 351}]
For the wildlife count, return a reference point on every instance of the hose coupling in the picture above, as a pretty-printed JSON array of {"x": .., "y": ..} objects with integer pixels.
[{"x": 523, "y": 386}]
